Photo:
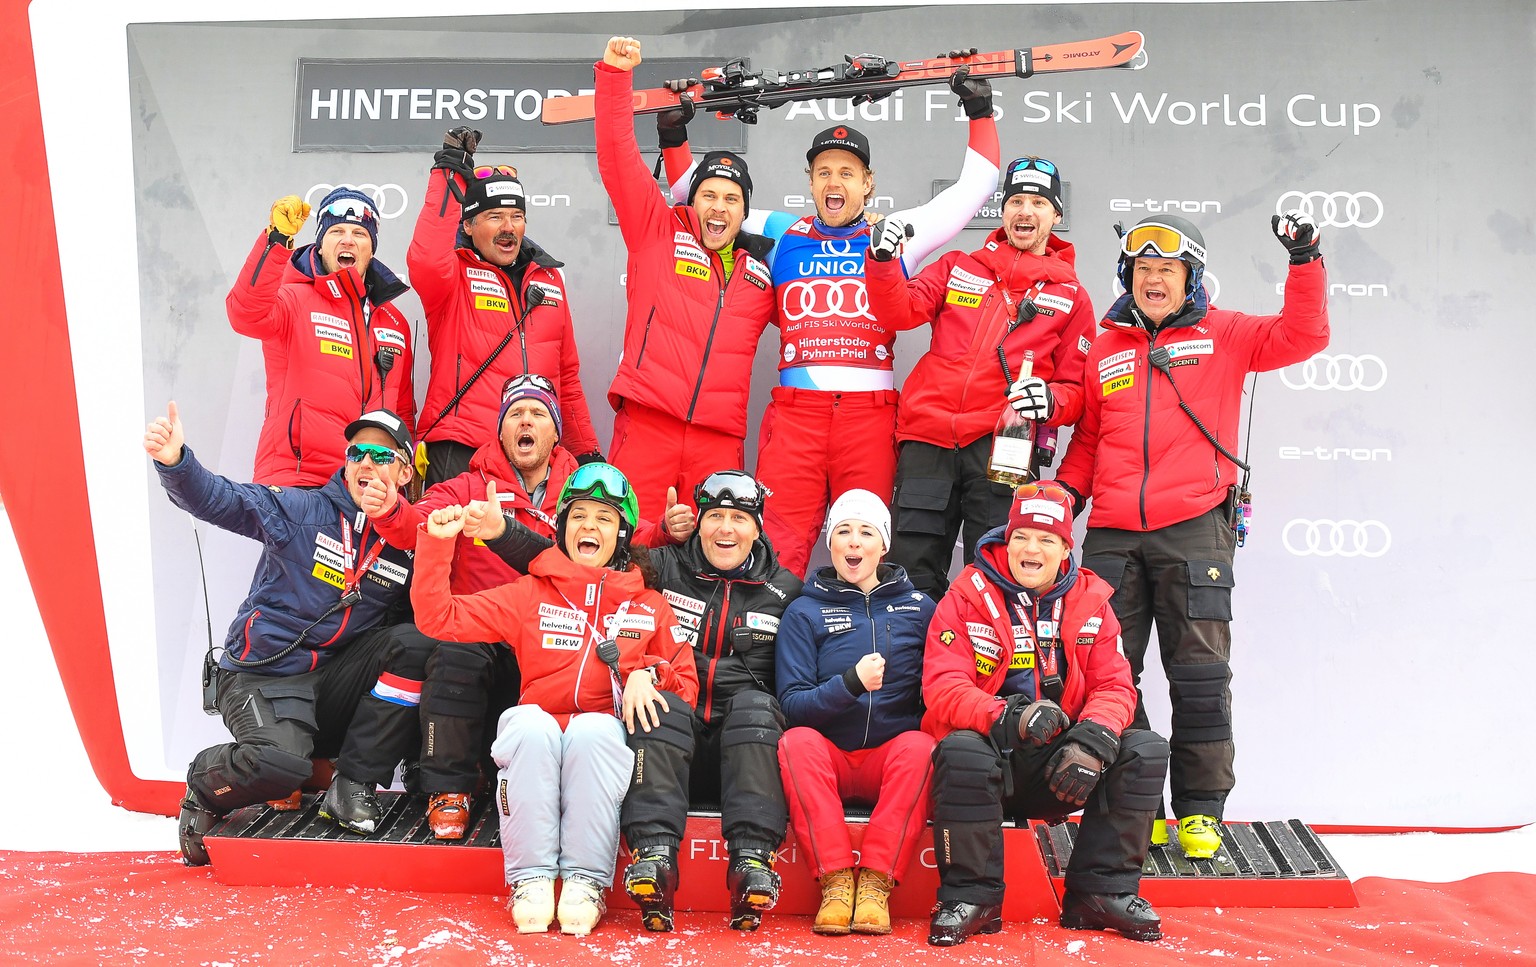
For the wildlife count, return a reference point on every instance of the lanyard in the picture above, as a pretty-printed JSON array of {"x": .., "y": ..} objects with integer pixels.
[
  {"x": 1046, "y": 641},
  {"x": 1025, "y": 313},
  {"x": 351, "y": 593},
  {"x": 594, "y": 637}
]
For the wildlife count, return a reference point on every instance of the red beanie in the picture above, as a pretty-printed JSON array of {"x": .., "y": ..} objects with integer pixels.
[{"x": 1041, "y": 506}]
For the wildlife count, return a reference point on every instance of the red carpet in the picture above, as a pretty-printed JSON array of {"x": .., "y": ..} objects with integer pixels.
[{"x": 68, "y": 908}]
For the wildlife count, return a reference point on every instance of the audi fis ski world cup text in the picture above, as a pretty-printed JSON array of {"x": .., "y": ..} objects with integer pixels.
[{"x": 1301, "y": 110}]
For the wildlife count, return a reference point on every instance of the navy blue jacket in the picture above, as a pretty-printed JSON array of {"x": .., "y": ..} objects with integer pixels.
[
  {"x": 825, "y": 632},
  {"x": 299, "y": 576}
]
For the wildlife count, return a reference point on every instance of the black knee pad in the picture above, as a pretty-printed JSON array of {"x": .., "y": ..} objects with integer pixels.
[
  {"x": 967, "y": 779},
  {"x": 407, "y": 653},
  {"x": 1144, "y": 762},
  {"x": 458, "y": 680},
  {"x": 753, "y": 717},
  {"x": 248, "y": 774},
  {"x": 1200, "y": 709},
  {"x": 675, "y": 730}
]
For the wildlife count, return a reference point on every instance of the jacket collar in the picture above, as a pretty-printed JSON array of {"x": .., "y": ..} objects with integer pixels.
[{"x": 380, "y": 284}]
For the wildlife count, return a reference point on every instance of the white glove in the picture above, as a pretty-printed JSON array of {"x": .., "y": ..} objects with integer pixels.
[
  {"x": 886, "y": 238},
  {"x": 1030, "y": 397}
]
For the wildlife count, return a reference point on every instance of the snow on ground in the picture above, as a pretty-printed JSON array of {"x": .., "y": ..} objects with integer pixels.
[{"x": 54, "y": 778}]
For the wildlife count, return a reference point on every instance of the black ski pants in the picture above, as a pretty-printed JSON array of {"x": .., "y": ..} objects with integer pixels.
[
  {"x": 467, "y": 688},
  {"x": 941, "y": 494},
  {"x": 1180, "y": 579},
  {"x": 278, "y": 723},
  {"x": 974, "y": 787},
  {"x": 732, "y": 760}
]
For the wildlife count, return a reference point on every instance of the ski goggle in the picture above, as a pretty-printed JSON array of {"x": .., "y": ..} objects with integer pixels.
[
  {"x": 605, "y": 483},
  {"x": 351, "y": 209},
  {"x": 523, "y": 380},
  {"x": 1161, "y": 241},
  {"x": 381, "y": 456},
  {"x": 730, "y": 488},
  {"x": 495, "y": 171},
  {"x": 1039, "y": 164}
]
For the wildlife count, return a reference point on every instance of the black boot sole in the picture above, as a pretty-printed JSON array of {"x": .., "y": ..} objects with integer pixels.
[
  {"x": 655, "y": 911},
  {"x": 1146, "y": 933}
]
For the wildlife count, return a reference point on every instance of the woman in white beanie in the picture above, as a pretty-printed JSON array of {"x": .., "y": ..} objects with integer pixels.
[{"x": 849, "y": 667}]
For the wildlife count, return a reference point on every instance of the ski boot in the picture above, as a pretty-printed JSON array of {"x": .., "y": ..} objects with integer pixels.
[
  {"x": 1128, "y": 913},
  {"x": 753, "y": 885},
  {"x": 195, "y": 820},
  {"x": 1200, "y": 836},
  {"x": 352, "y": 805},
  {"x": 650, "y": 880}
]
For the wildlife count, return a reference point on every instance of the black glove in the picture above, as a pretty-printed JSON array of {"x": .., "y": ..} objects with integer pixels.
[
  {"x": 672, "y": 124},
  {"x": 458, "y": 151},
  {"x": 1078, "y": 500},
  {"x": 596, "y": 456},
  {"x": 1299, "y": 234},
  {"x": 1042, "y": 721},
  {"x": 1074, "y": 771},
  {"x": 975, "y": 95}
]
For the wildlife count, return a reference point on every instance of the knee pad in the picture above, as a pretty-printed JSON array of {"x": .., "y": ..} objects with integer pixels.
[
  {"x": 967, "y": 779},
  {"x": 250, "y": 774},
  {"x": 1200, "y": 709},
  {"x": 1144, "y": 761},
  {"x": 675, "y": 730},
  {"x": 407, "y": 652},
  {"x": 458, "y": 680},
  {"x": 753, "y": 717}
]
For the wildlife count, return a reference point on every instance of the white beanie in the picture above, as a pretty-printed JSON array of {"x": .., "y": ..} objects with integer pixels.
[{"x": 860, "y": 505}]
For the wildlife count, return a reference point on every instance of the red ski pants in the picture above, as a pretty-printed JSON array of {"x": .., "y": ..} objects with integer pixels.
[
  {"x": 819, "y": 778},
  {"x": 813, "y": 446},
  {"x": 656, "y": 450}
]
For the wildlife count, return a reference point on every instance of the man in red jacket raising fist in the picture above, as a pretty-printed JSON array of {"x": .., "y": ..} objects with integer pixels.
[
  {"x": 1018, "y": 293},
  {"x": 1156, "y": 453}
]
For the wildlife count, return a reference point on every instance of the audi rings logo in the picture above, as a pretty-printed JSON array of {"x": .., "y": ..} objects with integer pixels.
[
  {"x": 390, "y": 200},
  {"x": 1334, "y": 209},
  {"x": 1336, "y": 538},
  {"x": 1341, "y": 371},
  {"x": 825, "y": 299}
]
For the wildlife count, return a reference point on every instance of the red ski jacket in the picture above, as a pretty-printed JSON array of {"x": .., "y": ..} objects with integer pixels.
[
  {"x": 689, "y": 333},
  {"x": 470, "y": 306},
  {"x": 970, "y": 650},
  {"x": 476, "y": 568},
  {"x": 322, "y": 350},
  {"x": 1138, "y": 456},
  {"x": 955, "y": 393},
  {"x": 553, "y": 618}
]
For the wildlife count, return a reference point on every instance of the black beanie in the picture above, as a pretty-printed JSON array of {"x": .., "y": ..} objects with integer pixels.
[{"x": 723, "y": 164}]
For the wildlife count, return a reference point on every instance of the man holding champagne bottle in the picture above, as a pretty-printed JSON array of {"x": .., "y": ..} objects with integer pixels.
[{"x": 1011, "y": 331}]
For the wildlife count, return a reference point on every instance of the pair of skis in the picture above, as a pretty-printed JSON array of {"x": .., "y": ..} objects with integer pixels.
[{"x": 735, "y": 90}]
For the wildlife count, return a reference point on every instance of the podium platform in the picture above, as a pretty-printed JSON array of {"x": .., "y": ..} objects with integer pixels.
[{"x": 1276, "y": 864}]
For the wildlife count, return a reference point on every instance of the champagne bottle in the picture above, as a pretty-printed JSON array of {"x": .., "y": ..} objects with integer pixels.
[{"x": 1013, "y": 442}]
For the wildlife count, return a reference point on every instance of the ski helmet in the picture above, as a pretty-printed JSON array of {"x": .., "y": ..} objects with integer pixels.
[
  {"x": 605, "y": 484},
  {"x": 1168, "y": 237}
]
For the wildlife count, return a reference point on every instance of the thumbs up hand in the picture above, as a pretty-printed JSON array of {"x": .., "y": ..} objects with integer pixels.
[
  {"x": 482, "y": 518},
  {"x": 163, "y": 438}
]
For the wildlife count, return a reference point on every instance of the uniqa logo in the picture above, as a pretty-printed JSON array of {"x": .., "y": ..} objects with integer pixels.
[
  {"x": 1341, "y": 371},
  {"x": 1336, "y": 538}
]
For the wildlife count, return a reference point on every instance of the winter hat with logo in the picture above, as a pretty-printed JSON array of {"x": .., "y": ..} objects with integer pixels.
[
  {"x": 842, "y": 138},
  {"x": 1042, "y": 506},
  {"x": 529, "y": 386},
  {"x": 344, "y": 205},
  {"x": 723, "y": 164},
  {"x": 498, "y": 187},
  {"x": 1035, "y": 176},
  {"x": 382, "y": 420},
  {"x": 864, "y": 506}
]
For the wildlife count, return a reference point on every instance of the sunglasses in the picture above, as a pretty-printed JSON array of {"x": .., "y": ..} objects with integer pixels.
[
  {"x": 523, "y": 380},
  {"x": 351, "y": 208},
  {"x": 1039, "y": 164},
  {"x": 1161, "y": 241},
  {"x": 381, "y": 456},
  {"x": 492, "y": 171},
  {"x": 1047, "y": 489},
  {"x": 730, "y": 488}
]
